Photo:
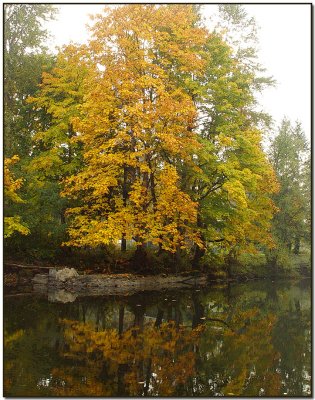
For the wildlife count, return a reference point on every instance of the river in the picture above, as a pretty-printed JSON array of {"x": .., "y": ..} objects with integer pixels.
[{"x": 249, "y": 339}]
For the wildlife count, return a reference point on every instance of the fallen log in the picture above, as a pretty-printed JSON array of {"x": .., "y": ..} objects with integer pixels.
[
  {"x": 19, "y": 294},
  {"x": 6, "y": 264}
]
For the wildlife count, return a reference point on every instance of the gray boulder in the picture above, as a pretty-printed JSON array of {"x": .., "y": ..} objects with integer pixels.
[{"x": 64, "y": 274}]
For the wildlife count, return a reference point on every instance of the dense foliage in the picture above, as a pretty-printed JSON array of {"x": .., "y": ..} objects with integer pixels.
[{"x": 147, "y": 136}]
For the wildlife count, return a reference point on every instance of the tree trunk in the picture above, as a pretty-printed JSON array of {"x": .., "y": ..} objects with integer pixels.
[
  {"x": 140, "y": 260},
  {"x": 230, "y": 259},
  {"x": 159, "y": 317},
  {"x": 139, "y": 317},
  {"x": 177, "y": 259},
  {"x": 121, "y": 320},
  {"x": 121, "y": 372},
  {"x": 296, "y": 249},
  {"x": 199, "y": 252},
  {"x": 123, "y": 246},
  {"x": 198, "y": 311}
]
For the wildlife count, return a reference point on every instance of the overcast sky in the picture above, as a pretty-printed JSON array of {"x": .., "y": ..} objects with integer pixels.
[{"x": 284, "y": 50}]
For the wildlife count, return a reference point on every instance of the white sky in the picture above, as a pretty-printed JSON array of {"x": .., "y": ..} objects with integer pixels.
[
  {"x": 284, "y": 43},
  {"x": 285, "y": 50}
]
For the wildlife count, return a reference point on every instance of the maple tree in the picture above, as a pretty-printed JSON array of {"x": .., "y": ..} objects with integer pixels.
[{"x": 136, "y": 128}]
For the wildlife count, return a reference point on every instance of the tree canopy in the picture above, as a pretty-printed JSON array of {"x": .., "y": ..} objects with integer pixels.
[{"x": 148, "y": 134}]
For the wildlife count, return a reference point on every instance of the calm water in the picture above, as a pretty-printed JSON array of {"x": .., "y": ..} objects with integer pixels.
[{"x": 249, "y": 339}]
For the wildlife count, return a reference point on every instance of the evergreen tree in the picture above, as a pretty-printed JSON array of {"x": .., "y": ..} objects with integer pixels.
[{"x": 290, "y": 156}]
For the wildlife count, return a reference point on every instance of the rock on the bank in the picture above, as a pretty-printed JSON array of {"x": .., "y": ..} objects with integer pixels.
[{"x": 63, "y": 274}]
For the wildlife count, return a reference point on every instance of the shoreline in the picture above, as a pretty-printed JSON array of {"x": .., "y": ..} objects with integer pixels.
[
  {"x": 97, "y": 284},
  {"x": 66, "y": 284}
]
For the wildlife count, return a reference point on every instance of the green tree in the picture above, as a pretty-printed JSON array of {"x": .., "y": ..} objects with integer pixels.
[
  {"x": 235, "y": 179},
  {"x": 290, "y": 156},
  {"x": 25, "y": 57},
  {"x": 54, "y": 156},
  {"x": 239, "y": 30}
]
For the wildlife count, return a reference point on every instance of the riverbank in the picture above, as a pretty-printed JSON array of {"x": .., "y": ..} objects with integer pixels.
[
  {"x": 97, "y": 284},
  {"x": 65, "y": 285},
  {"x": 88, "y": 282}
]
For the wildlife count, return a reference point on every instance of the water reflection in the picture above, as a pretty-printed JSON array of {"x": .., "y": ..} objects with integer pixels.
[{"x": 250, "y": 339}]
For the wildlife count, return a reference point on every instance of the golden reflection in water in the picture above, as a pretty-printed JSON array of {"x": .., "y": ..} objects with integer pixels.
[
  {"x": 251, "y": 359},
  {"x": 152, "y": 360}
]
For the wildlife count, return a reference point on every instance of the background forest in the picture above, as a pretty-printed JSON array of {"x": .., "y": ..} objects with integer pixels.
[{"x": 143, "y": 149}]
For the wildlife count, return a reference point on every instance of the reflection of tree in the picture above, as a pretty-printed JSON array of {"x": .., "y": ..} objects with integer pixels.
[
  {"x": 31, "y": 334},
  {"x": 239, "y": 360},
  {"x": 78, "y": 381},
  {"x": 292, "y": 336},
  {"x": 117, "y": 352},
  {"x": 253, "y": 356},
  {"x": 30, "y": 358},
  {"x": 198, "y": 310},
  {"x": 141, "y": 360},
  {"x": 9, "y": 366},
  {"x": 292, "y": 331}
]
